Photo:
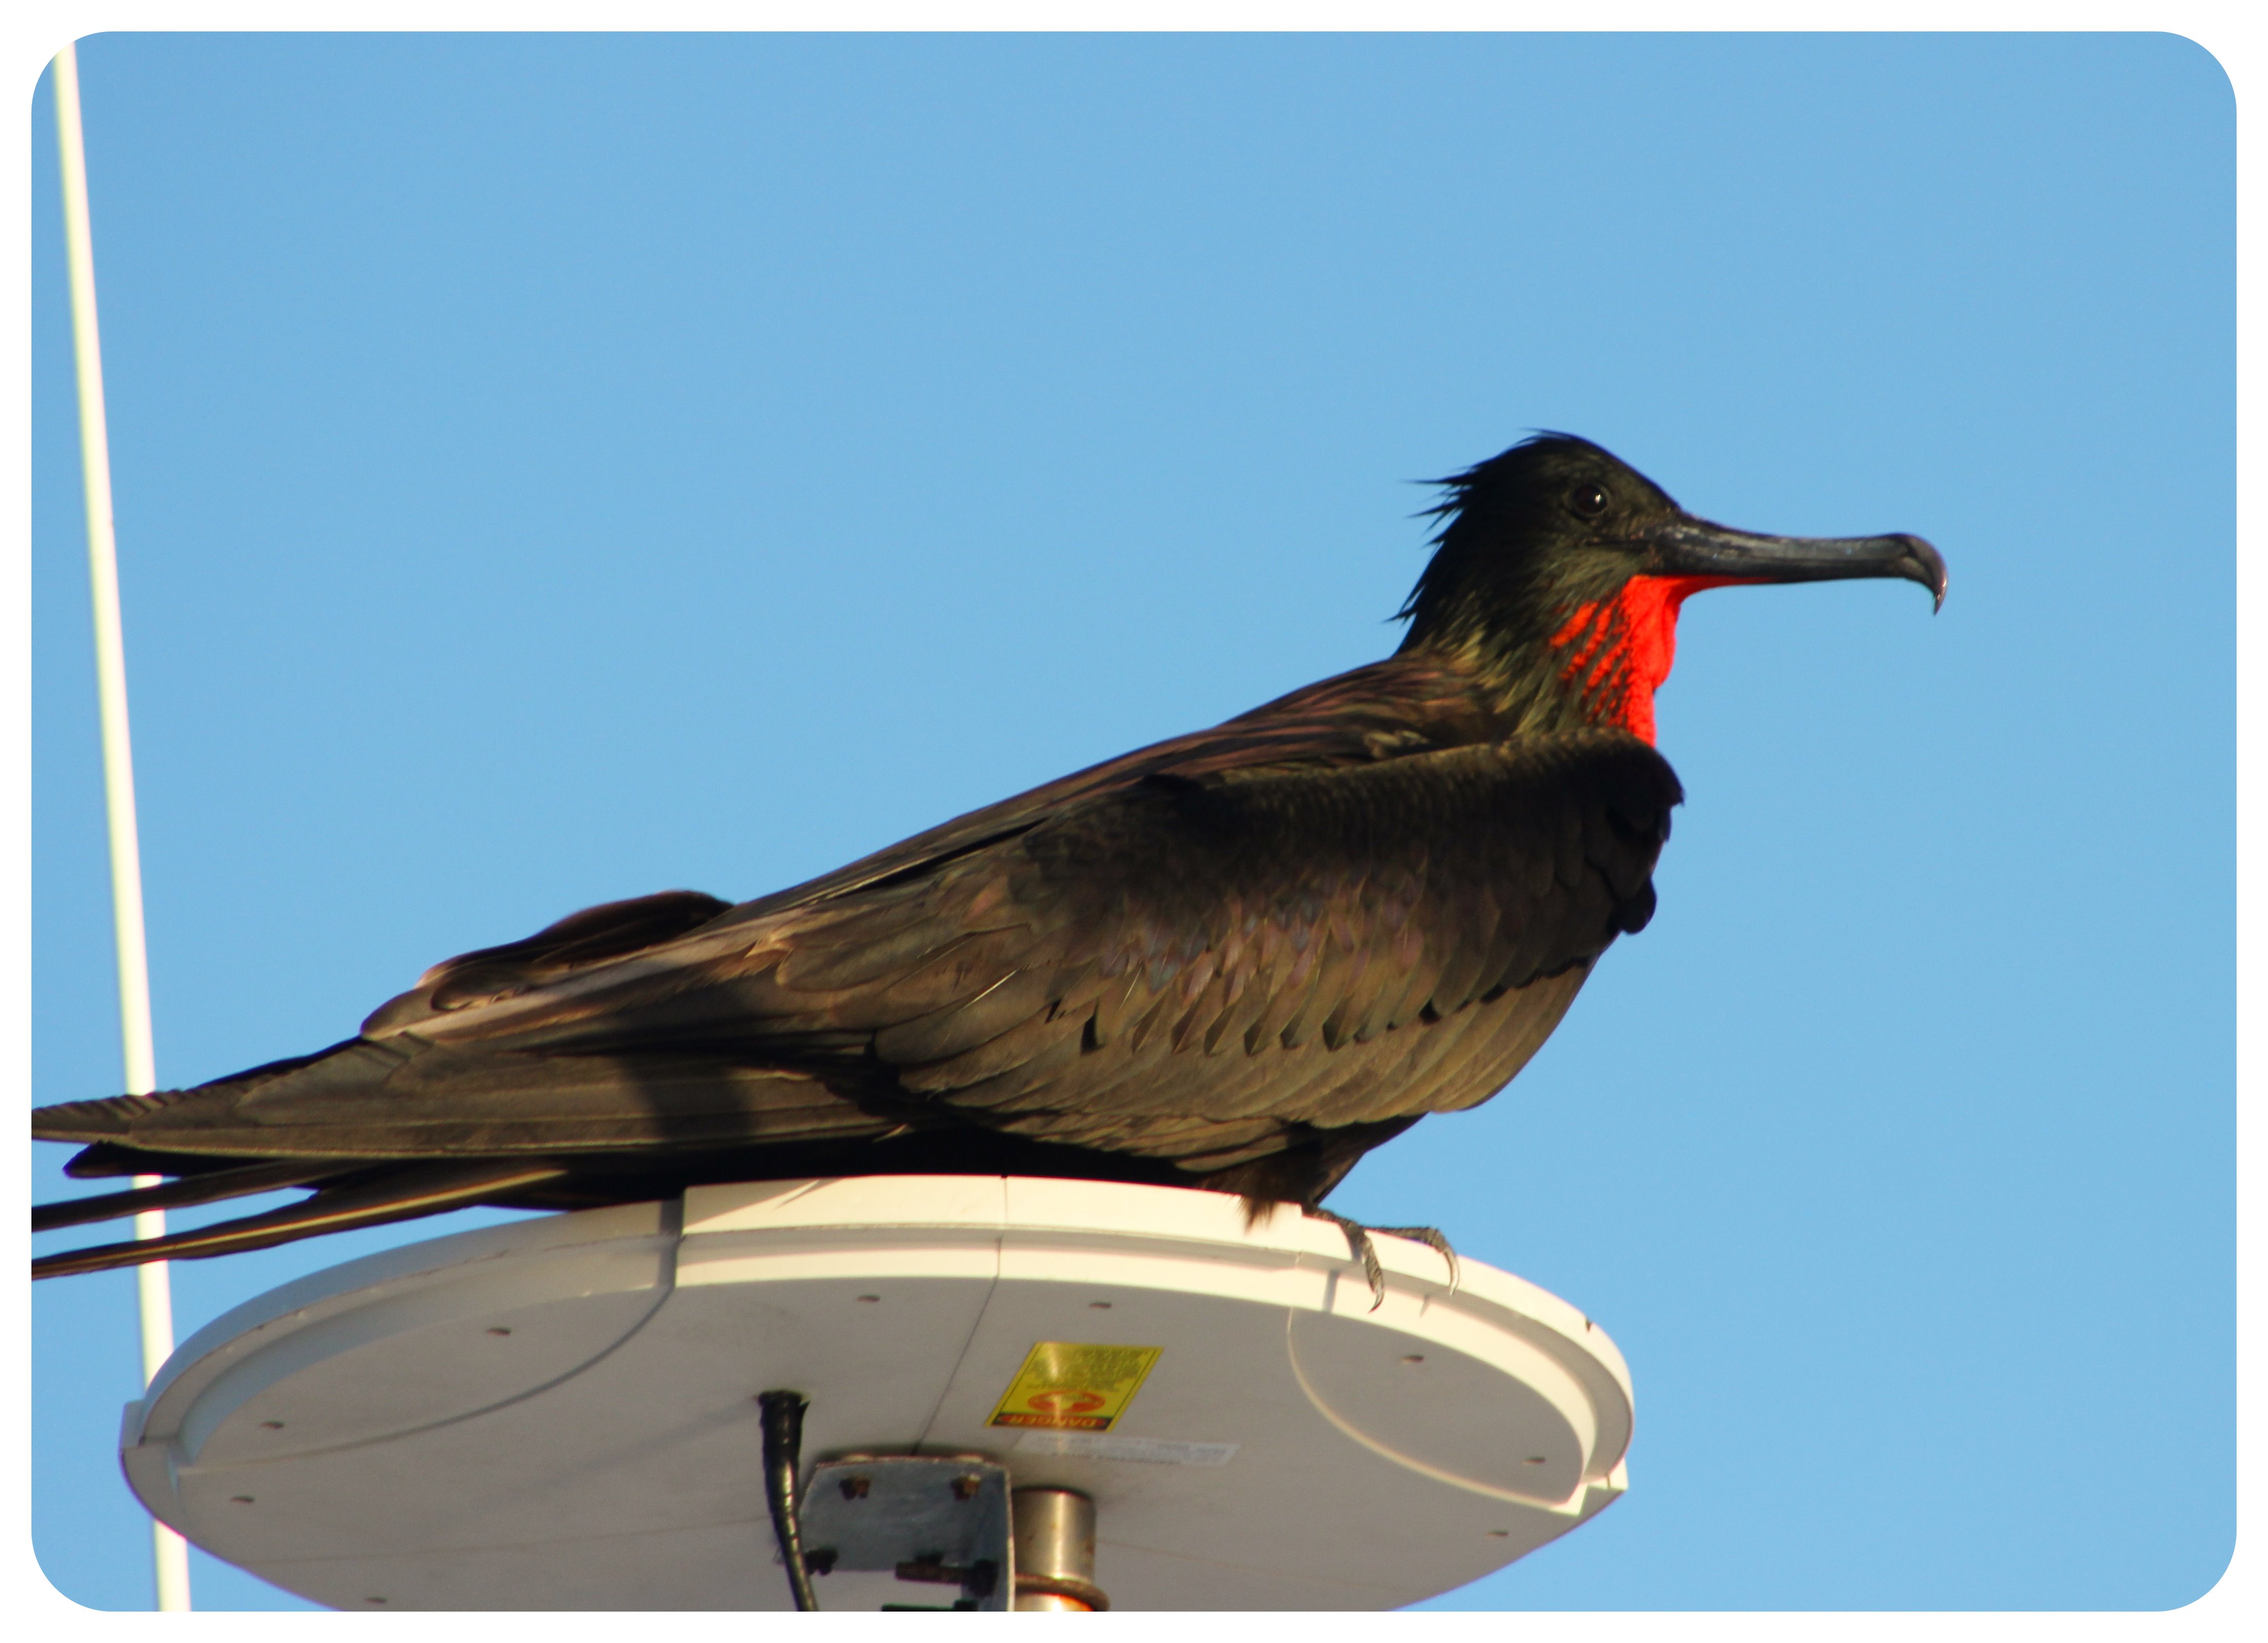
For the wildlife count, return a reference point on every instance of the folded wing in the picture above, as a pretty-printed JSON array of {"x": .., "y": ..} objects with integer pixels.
[{"x": 1193, "y": 969}]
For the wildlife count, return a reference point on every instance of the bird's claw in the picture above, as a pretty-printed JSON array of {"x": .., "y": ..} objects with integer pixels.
[
  {"x": 1432, "y": 1238},
  {"x": 1359, "y": 1246}
]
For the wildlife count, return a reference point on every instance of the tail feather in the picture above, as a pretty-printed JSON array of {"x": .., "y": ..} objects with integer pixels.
[
  {"x": 398, "y": 1195},
  {"x": 407, "y": 1098},
  {"x": 205, "y": 1188}
]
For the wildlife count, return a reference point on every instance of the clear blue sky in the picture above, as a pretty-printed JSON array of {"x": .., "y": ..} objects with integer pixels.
[{"x": 556, "y": 469}]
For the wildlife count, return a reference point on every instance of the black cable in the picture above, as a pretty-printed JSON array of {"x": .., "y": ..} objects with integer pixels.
[{"x": 783, "y": 1422}]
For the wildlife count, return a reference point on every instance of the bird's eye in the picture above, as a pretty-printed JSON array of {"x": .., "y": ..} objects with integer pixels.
[{"x": 1589, "y": 500}]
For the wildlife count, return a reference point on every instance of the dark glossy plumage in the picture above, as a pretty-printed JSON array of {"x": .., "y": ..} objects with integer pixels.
[{"x": 1237, "y": 959}]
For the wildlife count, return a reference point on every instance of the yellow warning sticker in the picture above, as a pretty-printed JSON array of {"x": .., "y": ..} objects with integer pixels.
[{"x": 1075, "y": 1387}]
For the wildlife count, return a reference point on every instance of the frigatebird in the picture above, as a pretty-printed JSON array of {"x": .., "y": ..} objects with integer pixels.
[{"x": 1235, "y": 961}]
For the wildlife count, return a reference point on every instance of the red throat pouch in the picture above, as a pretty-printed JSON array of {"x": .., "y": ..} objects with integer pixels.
[{"x": 1621, "y": 649}]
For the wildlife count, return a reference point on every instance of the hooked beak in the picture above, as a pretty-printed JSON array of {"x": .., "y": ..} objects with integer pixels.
[{"x": 1691, "y": 547}]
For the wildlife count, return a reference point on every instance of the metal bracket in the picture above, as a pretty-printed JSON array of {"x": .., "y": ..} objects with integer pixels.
[{"x": 926, "y": 1520}]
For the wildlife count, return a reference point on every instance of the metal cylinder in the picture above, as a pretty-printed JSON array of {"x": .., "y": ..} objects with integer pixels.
[{"x": 1054, "y": 1531}]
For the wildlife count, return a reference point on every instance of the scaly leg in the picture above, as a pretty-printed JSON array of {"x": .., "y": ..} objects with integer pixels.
[
  {"x": 1359, "y": 1246},
  {"x": 1432, "y": 1238}
]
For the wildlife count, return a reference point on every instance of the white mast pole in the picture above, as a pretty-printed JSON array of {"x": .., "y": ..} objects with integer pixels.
[{"x": 172, "y": 1553}]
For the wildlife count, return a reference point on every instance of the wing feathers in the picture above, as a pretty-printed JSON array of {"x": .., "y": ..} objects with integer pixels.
[{"x": 1199, "y": 969}]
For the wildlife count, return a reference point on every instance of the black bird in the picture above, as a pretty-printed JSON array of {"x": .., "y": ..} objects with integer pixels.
[{"x": 1237, "y": 960}]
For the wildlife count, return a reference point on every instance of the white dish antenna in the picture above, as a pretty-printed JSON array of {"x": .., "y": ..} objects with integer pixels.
[{"x": 561, "y": 1413}]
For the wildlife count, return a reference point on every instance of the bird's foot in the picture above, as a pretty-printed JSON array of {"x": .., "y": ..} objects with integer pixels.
[
  {"x": 1432, "y": 1239},
  {"x": 1359, "y": 1246}
]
